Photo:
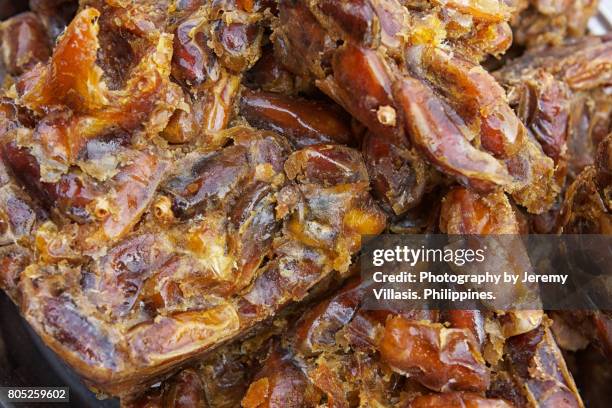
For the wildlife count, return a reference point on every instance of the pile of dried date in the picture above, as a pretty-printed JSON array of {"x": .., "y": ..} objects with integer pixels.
[{"x": 184, "y": 187}]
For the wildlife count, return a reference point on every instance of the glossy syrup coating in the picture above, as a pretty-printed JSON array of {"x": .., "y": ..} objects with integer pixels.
[
  {"x": 411, "y": 92},
  {"x": 560, "y": 94},
  {"x": 352, "y": 356},
  {"x": 184, "y": 185},
  {"x": 160, "y": 253},
  {"x": 340, "y": 354}
]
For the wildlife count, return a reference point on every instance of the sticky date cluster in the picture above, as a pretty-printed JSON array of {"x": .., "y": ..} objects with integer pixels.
[{"x": 185, "y": 186}]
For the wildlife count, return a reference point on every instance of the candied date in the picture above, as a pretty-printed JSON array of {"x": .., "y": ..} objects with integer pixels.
[
  {"x": 255, "y": 219},
  {"x": 182, "y": 333},
  {"x": 362, "y": 83},
  {"x": 213, "y": 46},
  {"x": 72, "y": 77},
  {"x": 326, "y": 209},
  {"x": 457, "y": 400},
  {"x": 171, "y": 234},
  {"x": 237, "y": 44},
  {"x": 210, "y": 179},
  {"x": 476, "y": 96},
  {"x": 194, "y": 61},
  {"x": 559, "y": 92},
  {"x": 334, "y": 187},
  {"x": 303, "y": 122},
  {"x": 472, "y": 320},
  {"x": 584, "y": 211},
  {"x": 13, "y": 261},
  {"x": 122, "y": 273},
  {"x": 399, "y": 176},
  {"x": 280, "y": 384},
  {"x": 269, "y": 75},
  {"x": 288, "y": 277},
  {"x": 556, "y": 92},
  {"x": 390, "y": 25},
  {"x": 439, "y": 136},
  {"x": 326, "y": 165},
  {"x": 81, "y": 199},
  {"x": 539, "y": 368},
  {"x": 550, "y": 22},
  {"x": 325, "y": 376},
  {"x": 301, "y": 44},
  {"x": 73, "y": 80},
  {"x": 316, "y": 331},
  {"x": 227, "y": 374},
  {"x": 581, "y": 63},
  {"x": 183, "y": 125},
  {"x": 587, "y": 206},
  {"x": 603, "y": 164},
  {"x": 465, "y": 212},
  {"x": 537, "y": 186},
  {"x": 73, "y": 330},
  {"x": 440, "y": 358},
  {"x": 134, "y": 187},
  {"x": 18, "y": 215},
  {"x": 70, "y": 195},
  {"x": 24, "y": 43},
  {"x": 420, "y": 219},
  {"x": 544, "y": 105},
  {"x": 203, "y": 115},
  {"x": 184, "y": 390},
  {"x": 60, "y": 322},
  {"x": 575, "y": 330},
  {"x": 56, "y": 14},
  {"x": 363, "y": 86},
  {"x": 355, "y": 19}
]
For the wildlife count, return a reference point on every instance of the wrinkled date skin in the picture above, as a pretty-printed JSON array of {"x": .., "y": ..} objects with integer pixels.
[
  {"x": 551, "y": 22},
  {"x": 336, "y": 352},
  {"x": 467, "y": 213},
  {"x": 24, "y": 43},
  {"x": 441, "y": 359},
  {"x": 446, "y": 106},
  {"x": 316, "y": 331},
  {"x": 327, "y": 207},
  {"x": 362, "y": 84},
  {"x": 587, "y": 205},
  {"x": 185, "y": 187},
  {"x": 539, "y": 371},
  {"x": 279, "y": 384},
  {"x": 184, "y": 390},
  {"x": 398, "y": 175},
  {"x": 214, "y": 45},
  {"x": 557, "y": 92},
  {"x": 241, "y": 217},
  {"x": 457, "y": 400}
]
